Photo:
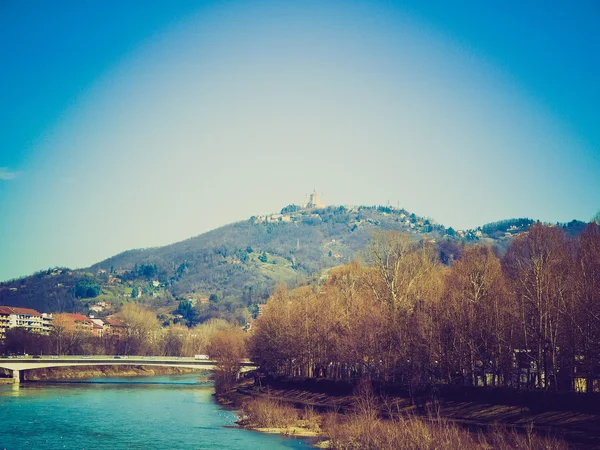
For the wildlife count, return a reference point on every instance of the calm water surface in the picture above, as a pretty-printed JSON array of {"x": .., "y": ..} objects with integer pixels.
[{"x": 171, "y": 412}]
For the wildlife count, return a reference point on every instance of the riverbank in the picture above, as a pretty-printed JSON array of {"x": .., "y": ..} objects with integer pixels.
[
  {"x": 271, "y": 417},
  {"x": 79, "y": 373},
  {"x": 580, "y": 431}
]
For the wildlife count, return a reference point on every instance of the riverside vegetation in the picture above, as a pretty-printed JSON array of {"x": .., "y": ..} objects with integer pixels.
[
  {"x": 364, "y": 428},
  {"x": 529, "y": 319}
]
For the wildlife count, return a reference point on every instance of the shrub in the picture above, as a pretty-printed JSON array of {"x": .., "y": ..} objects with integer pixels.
[{"x": 268, "y": 413}]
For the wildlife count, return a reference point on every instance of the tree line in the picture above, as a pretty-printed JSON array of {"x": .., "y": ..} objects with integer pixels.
[
  {"x": 527, "y": 319},
  {"x": 142, "y": 335}
]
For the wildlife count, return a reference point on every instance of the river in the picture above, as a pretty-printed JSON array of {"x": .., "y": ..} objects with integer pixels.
[{"x": 166, "y": 412}]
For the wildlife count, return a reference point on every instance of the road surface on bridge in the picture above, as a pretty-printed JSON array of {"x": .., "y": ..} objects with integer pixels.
[{"x": 18, "y": 364}]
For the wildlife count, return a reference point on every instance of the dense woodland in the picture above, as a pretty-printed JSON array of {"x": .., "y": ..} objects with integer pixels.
[{"x": 529, "y": 318}]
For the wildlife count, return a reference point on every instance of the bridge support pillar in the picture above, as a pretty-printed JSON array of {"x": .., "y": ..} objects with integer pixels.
[{"x": 17, "y": 376}]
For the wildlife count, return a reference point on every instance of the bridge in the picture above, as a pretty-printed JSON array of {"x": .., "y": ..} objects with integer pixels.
[{"x": 20, "y": 364}]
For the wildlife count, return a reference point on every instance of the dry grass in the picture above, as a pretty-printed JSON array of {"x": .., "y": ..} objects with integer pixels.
[
  {"x": 311, "y": 420},
  {"x": 365, "y": 429},
  {"x": 501, "y": 438},
  {"x": 368, "y": 432},
  {"x": 267, "y": 413}
]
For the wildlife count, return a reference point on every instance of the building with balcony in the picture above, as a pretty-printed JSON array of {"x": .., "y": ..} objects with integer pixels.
[{"x": 25, "y": 318}]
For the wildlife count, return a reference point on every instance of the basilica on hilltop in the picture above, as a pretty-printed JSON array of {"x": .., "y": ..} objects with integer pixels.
[{"x": 313, "y": 201}]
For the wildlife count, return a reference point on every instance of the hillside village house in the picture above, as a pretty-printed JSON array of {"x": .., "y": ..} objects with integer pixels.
[
  {"x": 101, "y": 306},
  {"x": 97, "y": 327},
  {"x": 25, "y": 318},
  {"x": 261, "y": 307}
]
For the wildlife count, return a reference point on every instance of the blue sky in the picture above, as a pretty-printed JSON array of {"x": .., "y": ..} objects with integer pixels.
[{"x": 136, "y": 124}]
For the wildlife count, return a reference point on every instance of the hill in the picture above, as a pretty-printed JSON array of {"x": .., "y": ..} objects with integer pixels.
[{"x": 228, "y": 271}]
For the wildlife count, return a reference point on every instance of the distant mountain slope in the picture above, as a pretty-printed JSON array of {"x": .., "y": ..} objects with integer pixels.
[
  {"x": 222, "y": 272},
  {"x": 303, "y": 242}
]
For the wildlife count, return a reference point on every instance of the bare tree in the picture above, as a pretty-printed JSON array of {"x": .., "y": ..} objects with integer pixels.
[
  {"x": 227, "y": 348},
  {"x": 143, "y": 331},
  {"x": 537, "y": 263},
  {"x": 478, "y": 317}
]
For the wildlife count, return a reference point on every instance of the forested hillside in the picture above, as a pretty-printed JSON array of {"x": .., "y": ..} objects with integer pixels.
[{"x": 226, "y": 272}]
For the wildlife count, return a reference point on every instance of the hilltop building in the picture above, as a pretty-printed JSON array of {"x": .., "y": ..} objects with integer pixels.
[{"x": 314, "y": 201}]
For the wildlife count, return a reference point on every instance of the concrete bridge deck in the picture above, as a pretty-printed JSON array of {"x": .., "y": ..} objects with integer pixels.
[{"x": 18, "y": 364}]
